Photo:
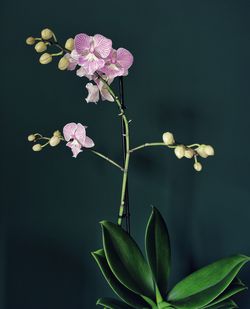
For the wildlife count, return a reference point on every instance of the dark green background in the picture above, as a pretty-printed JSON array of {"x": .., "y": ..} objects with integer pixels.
[{"x": 191, "y": 76}]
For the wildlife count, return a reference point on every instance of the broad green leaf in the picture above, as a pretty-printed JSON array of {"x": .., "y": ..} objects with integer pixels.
[
  {"x": 235, "y": 287},
  {"x": 228, "y": 304},
  {"x": 203, "y": 286},
  {"x": 124, "y": 293},
  {"x": 112, "y": 303},
  {"x": 158, "y": 250},
  {"x": 126, "y": 260}
]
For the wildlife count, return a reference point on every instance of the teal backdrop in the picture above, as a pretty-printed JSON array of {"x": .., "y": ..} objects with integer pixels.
[{"x": 190, "y": 76}]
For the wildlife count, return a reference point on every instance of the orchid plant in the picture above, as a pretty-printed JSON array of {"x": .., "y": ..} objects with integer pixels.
[{"x": 138, "y": 282}]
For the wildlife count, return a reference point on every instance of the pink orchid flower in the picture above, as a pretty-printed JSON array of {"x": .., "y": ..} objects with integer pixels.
[
  {"x": 94, "y": 90},
  {"x": 90, "y": 51},
  {"x": 118, "y": 63},
  {"x": 75, "y": 135}
]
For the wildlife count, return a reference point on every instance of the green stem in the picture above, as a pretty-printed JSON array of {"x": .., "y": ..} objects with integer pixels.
[
  {"x": 150, "y": 145},
  {"x": 107, "y": 159}
]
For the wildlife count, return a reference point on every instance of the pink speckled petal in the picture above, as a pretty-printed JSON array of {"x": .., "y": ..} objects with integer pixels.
[
  {"x": 124, "y": 58},
  {"x": 91, "y": 66},
  {"x": 89, "y": 143},
  {"x": 102, "y": 45},
  {"x": 82, "y": 42},
  {"x": 112, "y": 70},
  {"x": 69, "y": 131},
  {"x": 80, "y": 134}
]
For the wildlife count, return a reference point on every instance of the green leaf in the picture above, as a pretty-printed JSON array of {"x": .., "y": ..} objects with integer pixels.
[
  {"x": 112, "y": 303},
  {"x": 126, "y": 260},
  {"x": 229, "y": 304},
  {"x": 203, "y": 286},
  {"x": 235, "y": 287},
  {"x": 124, "y": 293},
  {"x": 158, "y": 250}
]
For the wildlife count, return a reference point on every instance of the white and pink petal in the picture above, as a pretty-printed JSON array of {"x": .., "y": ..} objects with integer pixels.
[{"x": 69, "y": 131}]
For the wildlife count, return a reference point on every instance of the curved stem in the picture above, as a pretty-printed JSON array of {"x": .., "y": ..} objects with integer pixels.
[
  {"x": 125, "y": 172},
  {"x": 150, "y": 145},
  {"x": 107, "y": 159},
  {"x": 127, "y": 147}
]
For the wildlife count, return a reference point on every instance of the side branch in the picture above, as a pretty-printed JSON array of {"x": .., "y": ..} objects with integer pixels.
[
  {"x": 150, "y": 145},
  {"x": 107, "y": 159}
]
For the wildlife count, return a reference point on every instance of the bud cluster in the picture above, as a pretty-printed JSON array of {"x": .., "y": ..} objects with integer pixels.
[
  {"x": 51, "y": 141},
  {"x": 46, "y": 40},
  {"x": 188, "y": 151}
]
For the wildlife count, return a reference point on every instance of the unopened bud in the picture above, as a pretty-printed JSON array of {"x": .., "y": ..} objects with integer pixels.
[
  {"x": 45, "y": 58},
  {"x": 179, "y": 151},
  {"x": 40, "y": 47},
  {"x": 201, "y": 151},
  {"x": 197, "y": 166},
  {"x": 209, "y": 150},
  {"x": 189, "y": 153},
  {"x": 63, "y": 64},
  {"x": 54, "y": 141},
  {"x": 46, "y": 34},
  {"x": 57, "y": 133},
  {"x": 69, "y": 44},
  {"x": 31, "y": 137},
  {"x": 30, "y": 40},
  {"x": 37, "y": 147},
  {"x": 168, "y": 138}
]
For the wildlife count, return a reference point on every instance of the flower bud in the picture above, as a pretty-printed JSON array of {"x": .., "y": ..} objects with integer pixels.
[
  {"x": 168, "y": 138},
  {"x": 30, "y": 40},
  {"x": 57, "y": 133},
  {"x": 45, "y": 58},
  {"x": 69, "y": 44},
  {"x": 179, "y": 151},
  {"x": 209, "y": 150},
  {"x": 63, "y": 64},
  {"x": 189, "y": 153},
  {"x": 197, "y": 166},
  {"x": 201, "y": 151},
  {"x": 37, "y": 147},
  {"x": 54, "y": 141},
  {"x": 31, "y": 137},
  {"x": 40, "y": 47},
  {"x": 46, "y": 34}
]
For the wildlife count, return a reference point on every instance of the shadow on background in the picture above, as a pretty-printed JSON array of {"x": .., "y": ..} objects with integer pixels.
[{"x": 190, "y": 76}]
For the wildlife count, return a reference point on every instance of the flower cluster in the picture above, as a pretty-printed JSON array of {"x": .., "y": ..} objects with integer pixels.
[
  {"x": 188, "y": 151},
  {"x": 91, "y": 56},
  {"x": 74, "y": 134}
]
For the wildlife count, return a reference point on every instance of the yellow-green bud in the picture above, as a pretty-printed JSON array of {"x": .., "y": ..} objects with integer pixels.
[
  {"x": 57, "y": 133},
  {"x": 31, "y": 137},
  {"x": 201, "y": 151},
  {"x": 168, "y": 138},
  {"x": 197, "y": 166},
  {"x": 179, "y": 151},
  {"x": 189, "y": 153},
  {"x": 69, "y": 44},
  {"x": 45, "y": 58},
  {"x": 63, "y": 64},
  {"x": 40, "y": 47},
  {"x": 37, "y": 147},
  {"x": 209, "y": 150},
  {"x": 54, "y": 141},
  {"x": 30, "y": 40},
  {"x": 46, "y": 34}
]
